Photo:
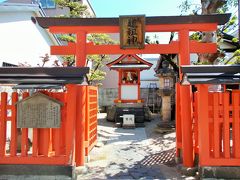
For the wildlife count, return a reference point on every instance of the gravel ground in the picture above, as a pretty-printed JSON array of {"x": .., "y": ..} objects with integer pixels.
[{"x": 140, "y": 153}]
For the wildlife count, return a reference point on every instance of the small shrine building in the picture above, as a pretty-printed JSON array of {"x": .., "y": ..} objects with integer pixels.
[{"x": 129, "y": 67}]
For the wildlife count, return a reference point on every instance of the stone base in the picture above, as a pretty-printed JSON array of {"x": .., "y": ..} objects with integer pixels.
[
  {"x": 129, "y": 105},
  {"x": 87, "y": 159},
  {"x": 35, "y": 170},
  {"x": 220, "y": 172},
  {"x": 188, "y": 171},
  {"x": 111, "y": 111}
]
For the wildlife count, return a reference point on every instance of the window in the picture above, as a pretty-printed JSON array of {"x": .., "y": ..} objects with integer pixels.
[
  {"x": 48, "y": 4},
  {"x": 166, "y": 83}
]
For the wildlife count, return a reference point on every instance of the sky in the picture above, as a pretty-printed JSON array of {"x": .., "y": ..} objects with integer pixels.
[{"x": 114, "y": 8}]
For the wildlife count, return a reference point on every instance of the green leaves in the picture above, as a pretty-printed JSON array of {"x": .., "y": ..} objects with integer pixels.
[
  {"x": 76, "y": 8},
  {"x": 235, "y": 40},
  {"x": 67, "y": 38}
]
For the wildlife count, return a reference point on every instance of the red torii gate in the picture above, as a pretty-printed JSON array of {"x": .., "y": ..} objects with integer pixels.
[{"x": 181, "y": 24}]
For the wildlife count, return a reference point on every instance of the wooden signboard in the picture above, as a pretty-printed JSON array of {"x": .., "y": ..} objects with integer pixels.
[
  {"x": 39, "y": 111},
  {"x": 132, "y": 31}
]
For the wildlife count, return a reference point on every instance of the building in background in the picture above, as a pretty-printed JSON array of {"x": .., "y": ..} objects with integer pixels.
[
  {"x": 23, "y": 41},
  {"x": 52, "y": 9}
]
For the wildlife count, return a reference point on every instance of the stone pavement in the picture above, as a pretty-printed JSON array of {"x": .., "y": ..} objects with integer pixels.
[
  {"x": 131, "y": 154},
  {"x": 28, "y": 177}
]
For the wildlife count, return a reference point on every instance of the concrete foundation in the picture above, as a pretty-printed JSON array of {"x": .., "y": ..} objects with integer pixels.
[
  {"x": 220, "y": 172},
  {"x": 35, "y": 170}
]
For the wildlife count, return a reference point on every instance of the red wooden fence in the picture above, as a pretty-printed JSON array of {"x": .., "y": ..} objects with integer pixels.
[
  {"x": 215, "y": 127},
  {"x": 219, "y": 127},
  {"x": 91, "y": 118},
  {"x": 51, "y": 146}
]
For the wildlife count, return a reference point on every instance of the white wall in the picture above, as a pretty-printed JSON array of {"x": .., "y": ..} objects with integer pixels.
[
  {"x": 21, "y": 40},
  {"x": 129, "y": 92},
  {"x": 111, "y": 79}
]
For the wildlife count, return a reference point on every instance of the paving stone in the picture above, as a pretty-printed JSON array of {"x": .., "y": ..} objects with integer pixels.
[
  {"x": 125, "y": 150},
  {"x": 146, "y": 177},
  {"x": 136, "y": 175}
]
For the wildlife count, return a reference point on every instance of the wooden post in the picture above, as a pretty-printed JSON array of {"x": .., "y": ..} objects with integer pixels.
[
  {"x": 139, "y": 84},
  {"x": 70, "y": 123},
  {"x": 13, "y": 143},
  {"x": 24, "y": 137},
  {"x": 120, "y": 76},
  {"x": 87, "y": 119},
  {"x": 178, "y": 122},
  {"x": 3, "y": 122},
  {"x": 80, "y": 126},
  {"x": 81, "y": 49},
  {"x": 216, "y": 125},
  {"x": 203, "y": 124},
  {"x": 236, "y": 121},
  {"x": 226, "y": 126},
  {"x": 185, "y": 102}
]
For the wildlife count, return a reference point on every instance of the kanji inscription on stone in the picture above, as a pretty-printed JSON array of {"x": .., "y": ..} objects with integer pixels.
[
  {"x": 132, "y": 31},
  {"x": 39, "y": 111}
]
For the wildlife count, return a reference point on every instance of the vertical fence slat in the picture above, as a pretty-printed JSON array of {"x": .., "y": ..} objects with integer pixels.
[
  {"x": 24, "y": 136},
  {"x": 3, "y": 122},
  {"x": 178, "y": 121},
  {"x": 216, "y": 125},
  {"x": 226, "y": 125},
  {"x": 80, "y": 126},
  {"x": 35, "y": 142},
  {"x": 13, "y": 143},
  {"x": 236, "y": 125},
  {"x": 63, "y": 126},
  {"x": 196, "y": 121},
  {"x": 71, "y": 119},
  {"x": 56, "y": 131},
  {"x": 56, "y": 141},
  {"x": 43, "y": 141},
  {"x": 203, "y": 124},
  {"x": 96, "y": 93},
  {"x": 87, "y": 121}
]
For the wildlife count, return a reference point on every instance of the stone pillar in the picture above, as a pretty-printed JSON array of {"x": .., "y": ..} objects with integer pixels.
[{"x": 166, "y": 108}]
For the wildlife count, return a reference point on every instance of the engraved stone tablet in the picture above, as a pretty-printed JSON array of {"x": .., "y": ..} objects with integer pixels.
[{"x": 39, "y": 111}]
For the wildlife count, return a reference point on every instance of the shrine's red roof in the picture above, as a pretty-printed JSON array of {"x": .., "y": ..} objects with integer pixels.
[{"x": 131, "y": 61}]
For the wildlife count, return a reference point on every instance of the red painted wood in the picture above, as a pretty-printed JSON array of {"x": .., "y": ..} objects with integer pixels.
[
  {"x": 236, "y": 123},
  {"x": 148, "y": 28},
  {"x": 221, "y": 162},
  {"x": 139, "y": 84},
  {"x": 35, "y": 142},
  {"x": 195, "y": 47},
  {"x": 226, "y": 126},
  {"x": 24, "y": 136},
  {"x": 80, "y": 126},
  {"x": 34, "y": 160},
  {"x": 196, "y": 145},
  {"x": 80, "y": 50},
  {"x": 13, "y": 143},
  {"x": 120, "y": 75},
  {"x": 216, "y": 130},
  {"x": 45, "y": 136},
  {"x": 203, "y": 124},
  {"x": 3, "y": 121},
  {"x": 70, "y": 122},
  {"x": 185, "y": 101},
  {"x": 87, "y": 119},
  {"x": 178, "y": 121}
]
